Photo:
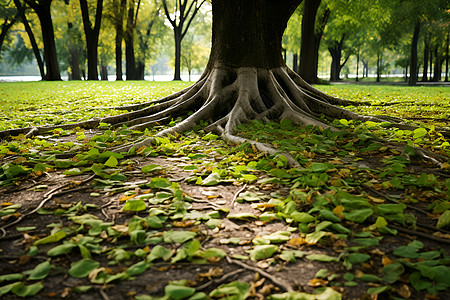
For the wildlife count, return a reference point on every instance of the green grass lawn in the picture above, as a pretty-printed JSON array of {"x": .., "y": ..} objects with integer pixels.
[{"x": 24, "y": 104}]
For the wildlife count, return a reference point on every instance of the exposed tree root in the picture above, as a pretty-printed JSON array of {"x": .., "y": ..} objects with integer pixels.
[{"x": 226, "y": 98}]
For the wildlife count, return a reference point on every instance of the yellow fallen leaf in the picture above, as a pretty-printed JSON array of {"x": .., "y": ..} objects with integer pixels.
[
  {"x": 317, "y": 282},
  {"x": 386, "y": 261},
  {"x": 125, "y": 197},
  {"x": 375, "y": 200}
]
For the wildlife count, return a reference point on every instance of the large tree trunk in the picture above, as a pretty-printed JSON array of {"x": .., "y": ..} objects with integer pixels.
[{"x": 413, "y": 63}]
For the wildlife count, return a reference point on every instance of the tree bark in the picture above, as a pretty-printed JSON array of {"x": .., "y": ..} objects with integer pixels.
[
  {"x": 42, "y": 9},
  {"x": 260, "y": 26},
  {"x": 92, "y": 34},
  {"x": 413, "y": 63}
]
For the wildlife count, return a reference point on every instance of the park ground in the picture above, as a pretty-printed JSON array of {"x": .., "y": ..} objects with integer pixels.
[{"x": 193, "y": 217}]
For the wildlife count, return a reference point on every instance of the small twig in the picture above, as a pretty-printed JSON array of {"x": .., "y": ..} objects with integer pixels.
[
  {"x": 206, "y": 201},
  {"x": 222, "y": 279},
  {"x": 421, "y": 234},
  {"x": 103, "y": 294},
  {"x": 237, "y": 194},
  {"x": 286, "y": 287}
]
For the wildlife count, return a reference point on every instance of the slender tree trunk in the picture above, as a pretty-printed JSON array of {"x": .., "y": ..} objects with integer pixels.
[
  {"x": 335, "y": 62},
  {"x": 30, "y": 34},
  {"x": 413, "y": 62},
  {"x": 431, "y": 63},
  {"x": 309, "y": 43},
  {"x": 103, "y": 72},
  {"x": 437, "y": 65},
  {"x": 119, "y": 38},
  {"x": 426, "y": 51},
  {"x": 336, "y": 54},
  {"x": 92, "y": 34},
  {"x": 378, "y": 66},
  {"x": 129, "y": 44},
  {"x": 48, "y": 37},
  {"x": 74, "y": 60},
  {"x": 7, "y": 24},
  {"x": 177, "y": 70},
  {"x": 43, "y": 12},
  {"x": 140, "y": 70},
  {"x": 447, "y": 57},
  {"x": 75, "y": 63},
  {"x": 295, "y": 63},
  {"x": 357, "y": 66}
]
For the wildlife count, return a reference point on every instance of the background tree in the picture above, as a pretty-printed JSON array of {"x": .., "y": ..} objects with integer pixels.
[
  {"x": 115, "y": 14},
  {"x": 292, "y": 38},
  {"x": 92, "y": 33},
  {"x": 180, "y": 14},
  {"x": 313, "y": 25},
  {"x": 8, "y": 16},
  {"x": 29, "y": 31},
  {"x": 149, "y": 31},
  {"x": 43, "y": 11},
  {"x": 132, "y": 17}
]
